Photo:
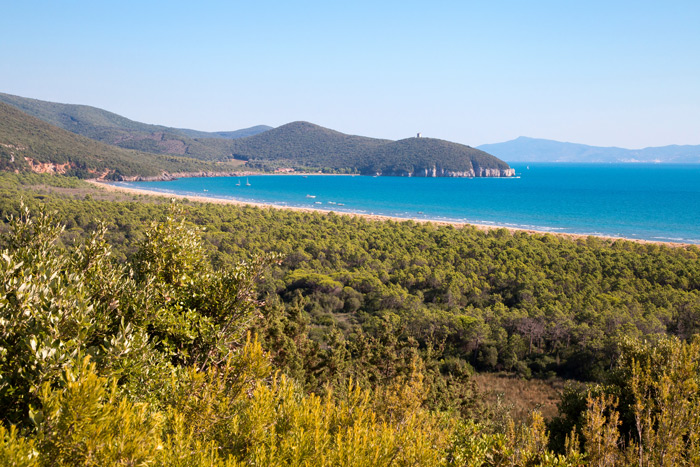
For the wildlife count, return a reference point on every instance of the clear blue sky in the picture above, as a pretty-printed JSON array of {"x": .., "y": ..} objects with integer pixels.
[{"x": 624, "y": 73}]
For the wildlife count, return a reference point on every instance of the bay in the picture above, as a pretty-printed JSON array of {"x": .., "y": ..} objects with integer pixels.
[{"x": 658, "y": 202}]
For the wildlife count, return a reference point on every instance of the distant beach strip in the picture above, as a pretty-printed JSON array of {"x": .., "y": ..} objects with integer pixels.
[{"x": 373, "y": 217}]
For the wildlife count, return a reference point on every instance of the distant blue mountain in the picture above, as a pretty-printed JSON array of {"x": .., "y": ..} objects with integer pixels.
[{"x": 526, "y": 149}]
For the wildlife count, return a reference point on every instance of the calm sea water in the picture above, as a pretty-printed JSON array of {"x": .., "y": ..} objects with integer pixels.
[{"x": 651, "y": 202}]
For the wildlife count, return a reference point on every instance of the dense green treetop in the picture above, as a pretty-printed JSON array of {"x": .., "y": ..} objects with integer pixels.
[
  {"x": 497, "y": 300},
  {"x": 133, "y": 343}
]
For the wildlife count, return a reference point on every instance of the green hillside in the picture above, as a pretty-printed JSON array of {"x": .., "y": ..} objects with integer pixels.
[
  {"x": 418, "y": 156},
  {"x": 315, "y": 146},
  {"x": 301, "y": 145},
  {"x": 308, "y": 144},
  {"x": 27, "y": 143},
  {"x": 242, "y": 133},
  {"x": 113, "y": 129}
]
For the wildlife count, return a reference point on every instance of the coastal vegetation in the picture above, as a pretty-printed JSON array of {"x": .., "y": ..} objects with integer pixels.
[
  {"x": 29, "y": 144},
  {"x": 320, "y": 147},
  {"x": 302, "y": 146},
  {"x": 144, "y": 332},
  {"x": 112, "y": 129}
]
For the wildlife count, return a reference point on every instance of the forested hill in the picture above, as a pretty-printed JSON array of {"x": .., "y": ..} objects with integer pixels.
[
  {"x": 113, "y": 129},
  {"x": 299, "y": 145},
  {"x": 27, "y": 143},
  {"x": 321, "y": 147},
  {"x": 235, "y": 134},
  {"x": 304, "y": 141},
  {"x": 435, "y": 157}
]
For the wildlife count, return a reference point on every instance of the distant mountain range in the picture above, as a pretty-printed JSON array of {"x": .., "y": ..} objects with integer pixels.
[
  {"x": 297, "y": 145},
  {"x": 525, "y": 149}
]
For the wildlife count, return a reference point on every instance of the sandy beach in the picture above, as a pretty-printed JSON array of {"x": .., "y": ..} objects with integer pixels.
[{"x": 375, "y": 217}]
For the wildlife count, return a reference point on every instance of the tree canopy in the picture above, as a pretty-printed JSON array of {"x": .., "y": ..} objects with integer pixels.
[{"x": 146, "y": 333}]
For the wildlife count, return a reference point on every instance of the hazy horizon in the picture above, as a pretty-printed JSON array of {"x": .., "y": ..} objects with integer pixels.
[{"x": 599, "y": 74}]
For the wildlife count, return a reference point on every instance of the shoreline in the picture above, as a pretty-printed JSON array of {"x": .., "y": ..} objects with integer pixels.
[
  {"x": 375, "y": 217},
  {"x": 167, "y": 177}
]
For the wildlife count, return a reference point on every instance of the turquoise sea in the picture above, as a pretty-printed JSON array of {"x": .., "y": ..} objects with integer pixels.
[{"x": 641, "y": 201}]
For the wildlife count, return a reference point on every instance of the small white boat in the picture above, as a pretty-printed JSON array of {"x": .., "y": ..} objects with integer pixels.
[
  {"x": 247, "y": 183},
  {"x": 317, "y": 202},
  {"x": 310, "y": 196},
  {"x": 239, "y": 182}
]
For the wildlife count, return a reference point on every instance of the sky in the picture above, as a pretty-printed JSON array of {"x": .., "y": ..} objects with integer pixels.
[{"x": 605, "y": 73}]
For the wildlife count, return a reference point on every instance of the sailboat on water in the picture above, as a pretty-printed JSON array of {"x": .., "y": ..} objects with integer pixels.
[
  {"x": 247, "y": 183},
  {"x": 238, "y": 183}
]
